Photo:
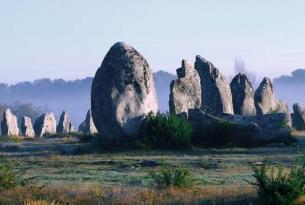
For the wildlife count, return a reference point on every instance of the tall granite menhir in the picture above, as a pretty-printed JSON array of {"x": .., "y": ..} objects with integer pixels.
[
  {"x": 65, "y": 124},
  {"x": 122, "y": 92},
  {"x": 9, "y": 126},
  {"x": 27, "y": 129},
  {"x": 242, "y": 95},
  {"x": 215, "y": 91},
  {"x": 45, "y": 124},
  {"x": 185, "y": 92},
  {"x": 87, "y": 126}
]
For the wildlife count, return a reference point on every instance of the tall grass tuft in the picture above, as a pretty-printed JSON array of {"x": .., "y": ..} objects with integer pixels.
[
  {"x": 168, "y": 177},
  {"x": 8, "y": 177},
  {"x": 275, "y": 186},
  {"x": 165, "y": 131}
]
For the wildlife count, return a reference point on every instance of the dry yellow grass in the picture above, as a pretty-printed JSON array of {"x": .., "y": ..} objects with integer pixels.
[{"x": 95, "y": 194}]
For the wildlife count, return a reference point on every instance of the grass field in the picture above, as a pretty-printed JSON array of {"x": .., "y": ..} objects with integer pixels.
[{"x": 63, "y": 173}]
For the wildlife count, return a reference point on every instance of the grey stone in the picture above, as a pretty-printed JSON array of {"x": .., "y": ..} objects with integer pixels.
[
  {"x": 260, "y": 128},
  {"x": 27, "y": 129},
  {"x": 9, "y": 126},
  {"x": 215, "y": 90},
  {"x": 87, "y": 126},
  {"x": 273, "y": 126},
  {"x": 243, "y": 95},
  {"x": 65, "y": 124},
  {"x": 282, "y": 107},
  {"x": 264, "y": 97},
  {"x": 45, "y": 124},
  {"x": 123, "y": 92},
  {"x": 185, "y": 92},
  {"x": 298, "y": 117}
]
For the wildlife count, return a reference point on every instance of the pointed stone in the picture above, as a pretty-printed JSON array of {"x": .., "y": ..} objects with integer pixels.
[
  {"x": 185, "y": 92},
  {"x": 27, "y": 127},
  {"x": 242, "y": 95},
  {"x": 87, "y": 126},
  {"x": 215, "y": 91},
  {"x": 123, "y": 92},
  {"x": 45, "y": 124},
  {"x": 65, "y": 124},
  {"x": 264, "y": 97},
  {"x": 9, "y": 126},
  {"x": 298, "y": 117}
]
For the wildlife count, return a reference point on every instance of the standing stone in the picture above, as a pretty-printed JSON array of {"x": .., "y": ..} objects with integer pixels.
[
  {"x": 27, "y": 127},
  {"x": 215, "y": 91},
  {"x": 298, "y": 117},
  {"x": 185, "y": 92},
  {"x": 282, "y": 107},
  {"x": 65, "y": 124},
  {"x": 9, "y": 126},
  {"x": 122, "y": 92},
  {"x": 243, "y": 95},
  {"x": 264, "y": 97},
  {"x": 87, "y": 126},
  {"x": 45, "y": 124}
]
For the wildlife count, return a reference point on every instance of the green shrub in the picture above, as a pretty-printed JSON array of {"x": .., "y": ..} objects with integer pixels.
[
  {"x": 278, "y": 187},
  {"x": 165, "y": 131},
  {"x": 8, "y": 177},
  {"x": 224, "y": 133},
  {"x": 172, "y": 177}
]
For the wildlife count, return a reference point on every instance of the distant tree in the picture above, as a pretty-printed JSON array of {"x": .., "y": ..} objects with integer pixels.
[{"x": 240, "y": 67}]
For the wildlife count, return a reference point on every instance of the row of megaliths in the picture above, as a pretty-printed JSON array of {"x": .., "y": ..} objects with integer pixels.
[
  {"x": 123, "y": 92},
  {"x": 45, "y": 124},
  {"x": 203, "y": 86}
]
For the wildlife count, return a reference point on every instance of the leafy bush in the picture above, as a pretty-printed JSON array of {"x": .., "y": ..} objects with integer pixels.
[
  {"x": 165, "y": 131},
  {"x": 278, "y": 187},
  {"x": 172, "y": 177},
  {"x": 8, "y": 177}
]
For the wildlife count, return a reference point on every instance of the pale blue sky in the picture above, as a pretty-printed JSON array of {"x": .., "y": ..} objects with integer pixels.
[{"x": 69, "y": 38}]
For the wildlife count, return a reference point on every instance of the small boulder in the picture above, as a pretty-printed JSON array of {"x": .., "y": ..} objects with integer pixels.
[
  {"x": 185, "y": 92},
  {"x": 243, "y": 95},
  {"x": 9, "y": 126},
  {"x": 87, "y": 126},
  {"x": 264, "y": 97},
  {"x": 65, "y": 124},
  {"x": 122, "y": 93},
  {"x": 27, "y": 127},
  {"x": 298, "y": 117},
  {"x": 215, "y": 90},
  {"x": 45, "y": 124}
]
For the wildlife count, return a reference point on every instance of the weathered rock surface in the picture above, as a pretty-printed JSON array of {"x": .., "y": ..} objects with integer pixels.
[
  {"x": 298, "y": 117},
  {"x": 215, "y": 90},
  {"x": 65, "y": 124},
  {"x": 45, "y": 124},
  {"x": 273, "y": 127},
  {"x": 185, "y": 92},
  {"x": 9, "y": 126},
  {"x": 87, "y": 126},
  {"x": 243, "y": 95},
  {"x": 282, "y": 107},
  {"x": 27, "y": 129},
  {"x": 264, "y": 97},
  {"x": 122, "y": 92},
  {"x": 260, "y": 128}
]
